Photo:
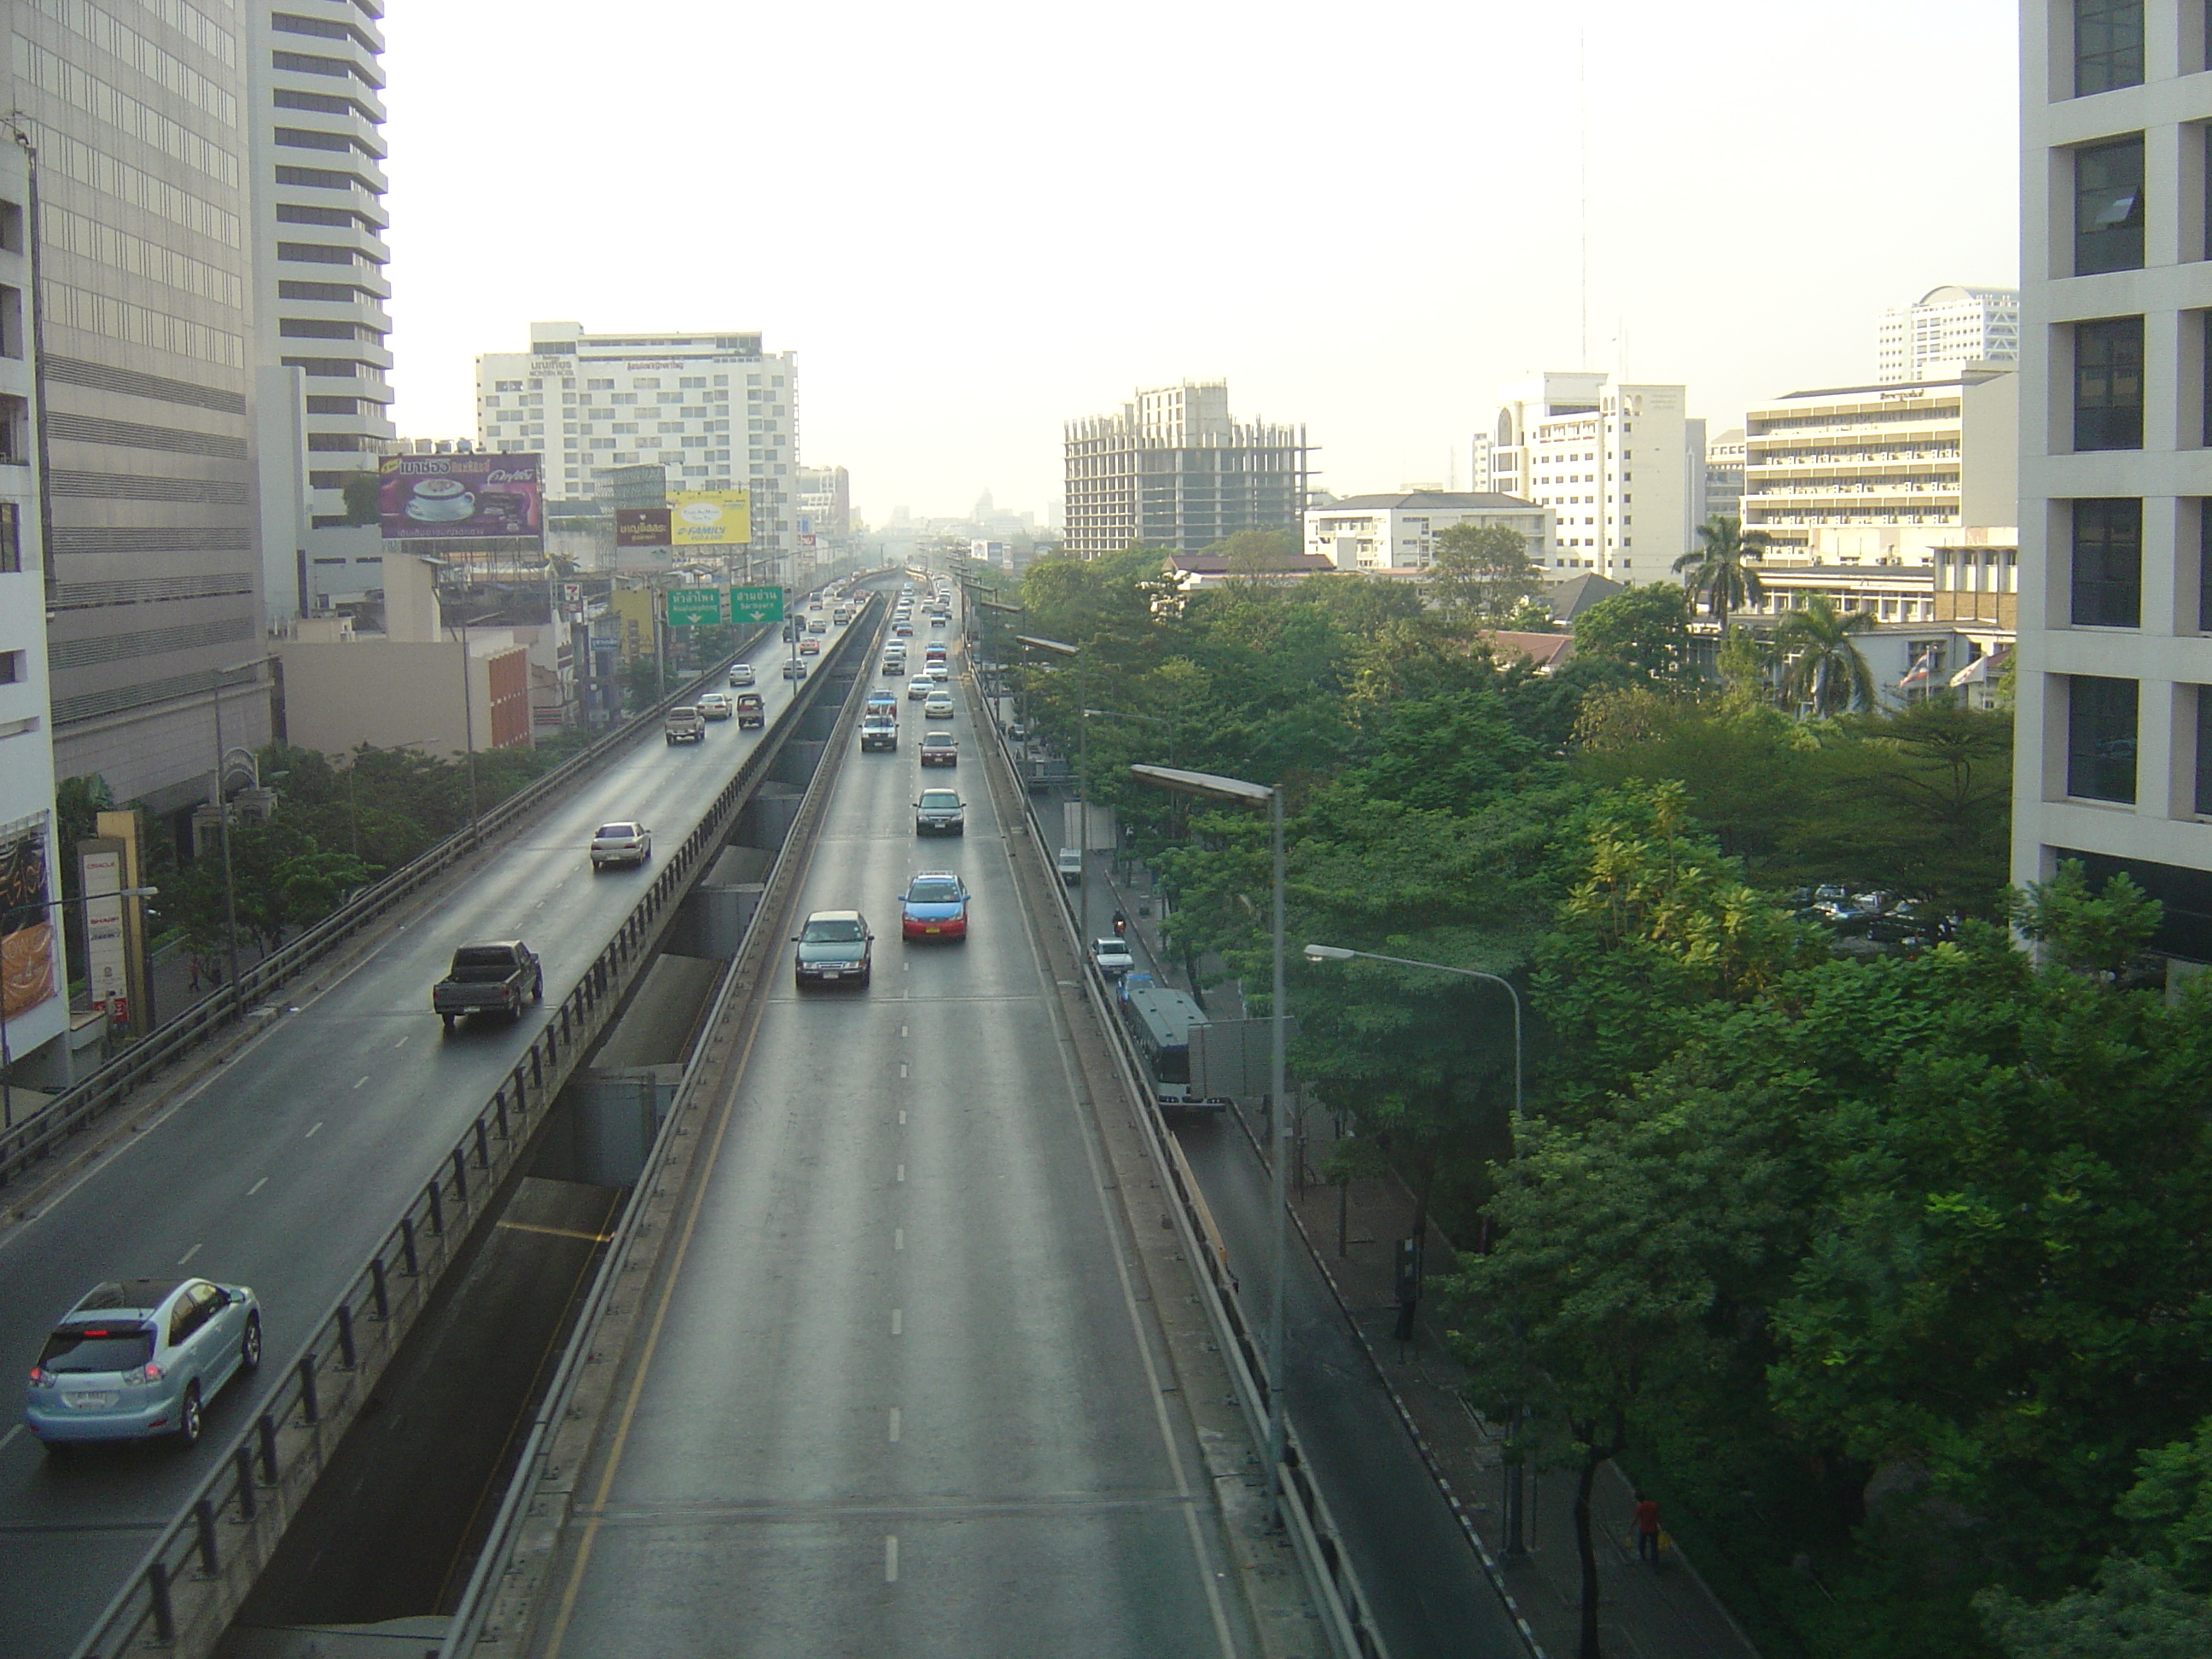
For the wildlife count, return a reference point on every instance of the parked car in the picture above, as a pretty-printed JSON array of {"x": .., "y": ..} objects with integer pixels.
[
  {"x": 491, "y": 977},
  {"x": 716, "y": 706},
  {"x": 752, "y": 711},
  {"x": 939, "y": 813},
  {"x": 1111, "y": 956},
  {"x": 940, "y": 749},
  {"x": 627, "y": 842},
  {"x": 935, "y": 906},
  {"x": 834, "y": 947},
  {"x": 141, "y": 1358},
  {"x": 741, "y": 673},
  {"x": 685, "y": 724}
]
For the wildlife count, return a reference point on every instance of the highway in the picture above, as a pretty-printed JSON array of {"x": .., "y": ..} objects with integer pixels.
[
  {"x": 283, "y": 1170},
  {"x": 895, "y": 1394}
]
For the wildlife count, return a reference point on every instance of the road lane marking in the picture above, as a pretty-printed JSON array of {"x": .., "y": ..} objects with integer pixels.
[
  {"x": 902, "y": 1172},
  {"x": 901, "y": 1030},
  {"x": 311, "y": 1133},
  {"x": 358, "y": 1085},
  {"x": 895, "y": 1425},
  {"x": 898, "y": 1238},
  {"x": 402, "y": 1043},
  {"x": 898, "y": 1321},
  {"x": 891, "y": 1559},
  {"x": 257, "y": 1185},
  {"x": 901, "y": 1068},
  {"x": 6, "y": 1438},
  {"x": 190, "y": 1254},
  {"x": 554, "y": 1232},
  {"x": 902, "y": 1116}
]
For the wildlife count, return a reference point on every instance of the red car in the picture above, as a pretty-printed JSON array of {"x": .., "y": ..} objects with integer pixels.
[{"x": 935, "y": 906}]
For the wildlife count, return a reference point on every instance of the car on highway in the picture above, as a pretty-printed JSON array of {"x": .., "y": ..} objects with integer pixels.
[
  {"x": 741, "y": 674},
  {"x": 834, "y": 947},
  {"x": 894, "y": 665},
  {"x": 935, "y": 906},
  {"x": 879, "y": 731},
  {"x": 492, "y": 976},
  {"x": 817, "y": 625},
  {"x": 794, "y": 670},
  {"x": 841, "y": 616},
  {"x": 627, "y": 842},
  {"x": 142, "y": 1358},
  {"x": 938, "y": 706},
  {"x": 940, "y": 749},
  {"x": 685, "y": 724},
  {"x": 1111, "y": 956},
  {"x": 903, "y": 629},
  {"x": 752, "y": 711},
  {"x": 939, "y": 813},
  {"x": 716, "y": 706},
  {"x": 919, "y": 687},
  {"x": 810, "y": 648},
  {"x": 881, "y": 700}
]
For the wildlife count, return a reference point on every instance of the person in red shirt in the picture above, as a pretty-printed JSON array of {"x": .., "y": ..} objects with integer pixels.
[{"x": 1646, "y": 1530}]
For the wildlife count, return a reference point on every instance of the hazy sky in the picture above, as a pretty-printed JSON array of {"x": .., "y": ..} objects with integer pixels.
[{"x": 976, "y": 219}]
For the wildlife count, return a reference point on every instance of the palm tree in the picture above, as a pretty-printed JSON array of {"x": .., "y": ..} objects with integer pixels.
[
  {"x": 1824, "y": 668},
  {"x": 1721, "y": 568}
]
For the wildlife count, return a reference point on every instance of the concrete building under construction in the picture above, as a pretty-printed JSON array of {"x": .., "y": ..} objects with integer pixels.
[{"x": 1172, "y": 471}]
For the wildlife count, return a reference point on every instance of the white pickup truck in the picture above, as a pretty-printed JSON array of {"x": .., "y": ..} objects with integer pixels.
[{"x": 685, "y": 724}]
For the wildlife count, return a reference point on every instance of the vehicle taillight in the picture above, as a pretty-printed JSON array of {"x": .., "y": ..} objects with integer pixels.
[
  {"x": 150, "y": 1372},
  {"x": 40, "y": 1379}
]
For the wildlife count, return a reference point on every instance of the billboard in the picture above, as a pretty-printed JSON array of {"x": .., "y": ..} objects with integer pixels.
[
  {"x": 709, "y": 518},
  {"x": 640, "y": 527},
  {"x": 27, "y": 932},
  {"x": 462, "y": 497}
]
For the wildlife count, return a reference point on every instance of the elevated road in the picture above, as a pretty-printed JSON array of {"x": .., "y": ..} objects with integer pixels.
[
  {"x": 897, "y": 1393},
  {"x": 283, "y": 1170}
]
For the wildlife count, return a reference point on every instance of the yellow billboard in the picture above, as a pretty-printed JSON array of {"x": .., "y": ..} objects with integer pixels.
[
  {"x": 709, "y": 518},
  {"x": 633, "y": 609}
]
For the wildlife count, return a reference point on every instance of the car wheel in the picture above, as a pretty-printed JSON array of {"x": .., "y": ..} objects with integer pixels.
[
  {"x": 249, "y": 1347},
  {"x": 864, "y": 978},
  {"x": 448, "y": 1019},
  {"x": 189, "y": 1422},
  {"x": 536, "y": 988}
]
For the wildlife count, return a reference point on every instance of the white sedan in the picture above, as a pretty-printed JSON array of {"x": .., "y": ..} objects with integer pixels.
[{"x": 627, "y": 842}]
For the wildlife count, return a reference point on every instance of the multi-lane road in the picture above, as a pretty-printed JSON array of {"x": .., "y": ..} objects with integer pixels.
[
  {"x": 897, "y": 1394},
  {"x": 283, "y": 1170}
]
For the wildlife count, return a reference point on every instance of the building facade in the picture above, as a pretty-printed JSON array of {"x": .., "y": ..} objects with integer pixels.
[
  {"x": 2114, "y": 739},
  {"x": 1946, "y": 330},
  {"x": 322, "y": 387},
  {"x": 1622, "y": 468},
  {"x": 1935, "y": 456},
  {"x": 1173, "y": 469},
  {"x": 142, "y": 126},
  {"x": 712, "y": 411},
  {"x": 1398, "y": 531},
  {"x": 1724, "y": 475}
]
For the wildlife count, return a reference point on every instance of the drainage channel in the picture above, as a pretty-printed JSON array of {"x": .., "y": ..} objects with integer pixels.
[{"x": 380, "y": 1553}]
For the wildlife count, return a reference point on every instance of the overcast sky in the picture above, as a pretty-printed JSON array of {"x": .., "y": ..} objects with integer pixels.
[{"x": 977, "y": 219}]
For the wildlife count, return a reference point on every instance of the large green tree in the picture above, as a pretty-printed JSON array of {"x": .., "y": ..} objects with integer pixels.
[
  {"x": 1645, "y": 630},
  {"x": 1482, "y": 575},
  {"x": 1825, "y": 669},
  {"x": 1720, "y": 567}
]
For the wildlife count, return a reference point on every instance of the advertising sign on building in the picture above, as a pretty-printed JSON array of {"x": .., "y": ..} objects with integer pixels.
[
  {"x": 694, "y": 607},
  {"x": 640, "y": 527},
  {"x": 463, "y": 497},
  {"x": 99, "y": 873},
  {"x": 755, "y": 604},
  {"x": 27, "y": 931},
  {"x": 710, "y": 518}
]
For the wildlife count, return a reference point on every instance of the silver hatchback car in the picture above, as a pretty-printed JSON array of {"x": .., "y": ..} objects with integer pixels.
[{"x": 141, "y": 1358}]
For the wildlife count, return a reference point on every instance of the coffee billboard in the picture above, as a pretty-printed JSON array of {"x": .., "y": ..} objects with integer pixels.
[{"x": 421, "y": 497}]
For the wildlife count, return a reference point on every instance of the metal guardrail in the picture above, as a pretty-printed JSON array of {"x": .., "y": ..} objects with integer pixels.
[
  {"x": 78, "y": 1107},
  {"x": 1315, "y": 1538},
  {"x": 189, "y": 1585}
]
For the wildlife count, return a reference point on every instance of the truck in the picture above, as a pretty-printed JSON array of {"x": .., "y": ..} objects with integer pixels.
[
  {"x": 879, "y": 731},
  {"x": 685, "y": 724},
  {"x": 752, "y": 711},
  {"x": 492, "y": 976}
]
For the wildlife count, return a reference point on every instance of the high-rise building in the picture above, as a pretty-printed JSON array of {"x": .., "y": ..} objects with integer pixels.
[
  {"x": 1622, "y": 467},
  {"x": 1172, "y": 469},
  {"x": 1926, "y": 458},
  {"x": 2114, "y": 682},
  {"x": 1943, "y": 331},
  {"x": 592, "y": 403},
  {"x": 1724, "y": 457},
  {"x": 140, "y": 117},
  {"x": 322, "y": 398}
]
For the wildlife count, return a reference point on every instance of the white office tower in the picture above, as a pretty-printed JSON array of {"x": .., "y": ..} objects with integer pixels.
[
  {"x": 322, "y": 395},
  {"x": 711, "y": 410},
  {"x": 2114, "y": 735},
  {"x": 1947, "y": 328},
  {"x": 1622, "y": 468}
]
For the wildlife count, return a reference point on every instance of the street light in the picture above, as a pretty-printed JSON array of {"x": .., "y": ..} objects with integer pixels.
[
  {"x": 7, "y": 1059},
  {"x": 468, "y": 709},
  {"x": 223, "y": 823},
  {"x": 1235, "y": 792},
  {"x": 1515, "y": 1540},
  {"x": 1061, "y": 648}
]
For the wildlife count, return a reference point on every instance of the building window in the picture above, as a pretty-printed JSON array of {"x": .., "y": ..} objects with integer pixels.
[
  {"x": 11, "y": 539},
  {"x": 2108, "y": 210},
  {"x": 2100, "y": 738},
  {"x": 2108, "y": 45},
  {"x": 2108, "y": 384},
  {"x": 2107, "y": 572},
  {"x": 2203, "y": 801}
]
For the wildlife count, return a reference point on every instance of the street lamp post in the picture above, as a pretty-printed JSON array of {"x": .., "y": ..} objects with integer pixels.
[
  {"x": 468, "y": 708},
  {"x": 223, "y": 829},
  {"x": 1517, "y": 1544},
  {"x": 1082, "y": 768},
  {"x": 1235, "y": 792},
  {"x": 7, "y": 1058}
]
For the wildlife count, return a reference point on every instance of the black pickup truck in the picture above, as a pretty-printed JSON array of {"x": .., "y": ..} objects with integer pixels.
[{"x": 492, "y": 977}]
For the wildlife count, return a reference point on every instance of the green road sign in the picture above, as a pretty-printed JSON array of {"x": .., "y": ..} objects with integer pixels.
[
  {"x": 755, "y": 604},
  {"x": 694, "y": 607}
]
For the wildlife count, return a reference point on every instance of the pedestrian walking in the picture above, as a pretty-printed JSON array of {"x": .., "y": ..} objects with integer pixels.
[
  {"x": 193, "y": 962},
  {"x": 1646, "y": 1530}
]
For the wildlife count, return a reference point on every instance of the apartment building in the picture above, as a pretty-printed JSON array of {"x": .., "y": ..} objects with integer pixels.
[
  {"x": 1622, "y": 467},
  {"x": 321, "y": 387},
  {"x": 1944, "y": 331},
  {"x": 1724, "y": 456},
  {"x": 1933, "y": 456},
  {"x": 1173, "y": 469},
  {"x": 711, "y": 410},
  {"x": 2114, "y": 750},
  {"x": 139, "y": 120},
  {"x": 1397, "y": 532}
]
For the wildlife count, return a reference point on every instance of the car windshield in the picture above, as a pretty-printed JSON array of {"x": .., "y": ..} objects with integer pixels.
[
  {"x": 98, "y": 1348},
  {"x": 938, "y": 740},
  {"x": 832, "y": 933},
  {"x": 939, "y": 891},
  {"x": 616, "y": 831},
  {"x": 1111, "y": 947}
]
